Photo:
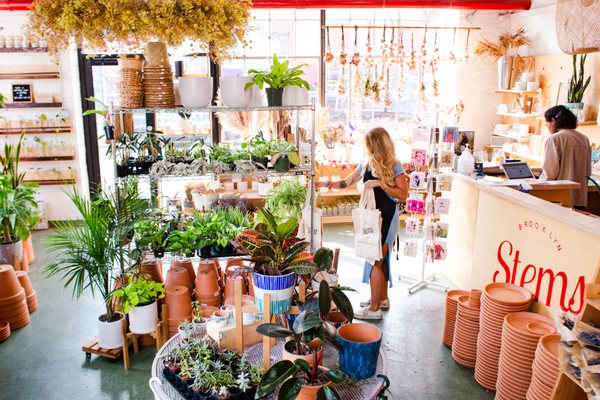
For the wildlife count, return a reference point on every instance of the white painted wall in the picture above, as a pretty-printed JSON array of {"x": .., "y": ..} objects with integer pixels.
[
  {"x": 58, "y": 205},
  {"x": 540, "y": 24}
]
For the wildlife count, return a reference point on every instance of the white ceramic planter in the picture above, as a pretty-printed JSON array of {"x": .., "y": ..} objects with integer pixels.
[
  {"x": 295, "y": 96},
  {"x": 319, "y": 276},
  {"x": 263, "y": 188},
  {"x": 204, "y": 201},
  {"x": 259, "y": 98},
  {"x": 233, "y": 93},
  {"x": 110, "y": 334},
  {"x": 142, "y": 318},
  {"x": 195, "y": 91}
]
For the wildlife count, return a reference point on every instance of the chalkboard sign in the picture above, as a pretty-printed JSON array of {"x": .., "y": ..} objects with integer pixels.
[{"x": 21, "y": 93}]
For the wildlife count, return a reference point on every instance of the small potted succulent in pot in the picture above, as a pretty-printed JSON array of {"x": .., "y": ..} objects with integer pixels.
[
  {"x": 283, "y": 155},
  {"x": 279, "y": 77},
  {"x": 300, "y": 380},
  {"x": 138, "y": 299},
  {"x": 198, "y": 320}
]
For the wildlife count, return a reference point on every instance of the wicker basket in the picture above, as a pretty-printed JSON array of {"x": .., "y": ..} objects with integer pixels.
[{"x": 156, "y": 54}]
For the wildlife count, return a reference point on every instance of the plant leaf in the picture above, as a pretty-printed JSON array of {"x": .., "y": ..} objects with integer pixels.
[
  {"x": 323, "y": 258},
  {"x": 327, "y": 393},
  {"x": 305, "y": 321},
  {"x": 274, "y": 331},
  {"x": 290, "y": 389},
  {"x": 275, "y": 376},
  {"x": 324, "y": 297},
  {"x": 303, "y": 365},
  {"x": 339, "y": 377},
  {"x": 343, "y": 303}
]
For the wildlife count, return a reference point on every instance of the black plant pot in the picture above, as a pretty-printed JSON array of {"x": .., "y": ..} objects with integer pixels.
[
  {"x": 264, "y": 161},
  {"x": 282, "y": 164},
  {"x": 228, "y": 250},
  {"x": 147, "y": 166},
  {"x": 249, "y": 394},
  {"x": 130, "y": 168},
  {"x": 274, "y": 97},
  {"x": 205, "y": 252},
  {"x": 122, "y": 171},
  {"x": 160, "y": 252}
]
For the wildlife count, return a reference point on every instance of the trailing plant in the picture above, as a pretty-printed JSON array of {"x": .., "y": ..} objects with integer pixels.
[
  {"x": 139, "y": 292},
  {"x": 506, "y": 41},
  {"x": 274, "y": 247},
  {"x": 287, "y": 199},
  {"x": 578, "y": 84},
  {"x": 18, "y": 211},
  {"x": 282, "y": 148},
  {"x": 279, "y": 76},
  {"x": 290, "y": 376}
]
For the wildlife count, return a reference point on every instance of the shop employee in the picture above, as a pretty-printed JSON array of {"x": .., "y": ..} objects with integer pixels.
[{"x": 567, "y": 153}]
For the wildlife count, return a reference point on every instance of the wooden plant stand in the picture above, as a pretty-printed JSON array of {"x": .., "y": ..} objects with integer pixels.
[{"x": 568, "y": 387}]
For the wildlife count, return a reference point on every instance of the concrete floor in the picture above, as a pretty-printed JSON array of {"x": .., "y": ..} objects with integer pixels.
[{"x": 44, "y": 359}]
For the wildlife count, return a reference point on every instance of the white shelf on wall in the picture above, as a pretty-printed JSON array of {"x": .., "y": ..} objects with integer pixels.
[
  {"x": 518, "y": 115},
  {"x": 526, "y": 156},
  {"x": 523, "y": 138},
  {"x": 514, "y": 91}
]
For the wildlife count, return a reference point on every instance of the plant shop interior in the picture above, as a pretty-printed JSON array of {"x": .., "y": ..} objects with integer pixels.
[{"x": 308, "y": 199}]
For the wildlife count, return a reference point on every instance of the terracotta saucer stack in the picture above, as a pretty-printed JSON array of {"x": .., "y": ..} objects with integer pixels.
[
  {"x": 13, "y": 303},
  {"x": 464, "y": 345},
  {"x": 520, "y": 336},
  {"x": 30, "y": 295},
  {"x": 4, "y": 330},
  {"x": 545, "y": 368},
  {"x": 450, "y": 319},
  {"x": 497, "y": 300}
]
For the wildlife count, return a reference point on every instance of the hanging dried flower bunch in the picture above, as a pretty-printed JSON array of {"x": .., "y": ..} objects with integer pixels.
[
  {"x": 391, "y": 48},
  {"x": 411, "y": 62},
  {"x": 421, "y": 83},
  {"x": 467, "y": 46},
  {"x": 383, "y": 55},
  {"x": 343, "y": 56},
  {"x": 355, "y": 55},
  {"x": 341, "y": 80},
  {"x": 388, "y": 99},
  {"x": 328, "y": 55},
  {"x": 357, "y": 84},
  {"x": 506, "y": 41},
  {"x": 369, "y": 57},
  {"x": 130, "y": 24},
  {"x": 367, "y": 88},
  {"x": 401, "y": 79},
  {"x": 400, "y": 53},
  {"x": 433, "y": 63},
  {"x": 376, "y": 89},
  {"x": 424, "y": 48},
  {"x": 452, "y": 56}
]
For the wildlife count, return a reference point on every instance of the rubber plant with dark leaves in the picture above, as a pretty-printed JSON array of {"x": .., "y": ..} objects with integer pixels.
[
  {"x": 274, "y": 248},
  {"x": 291, "y": 376}
]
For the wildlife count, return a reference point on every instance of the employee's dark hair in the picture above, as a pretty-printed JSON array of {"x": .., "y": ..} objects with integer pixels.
[{"x": 564, "y": 118}]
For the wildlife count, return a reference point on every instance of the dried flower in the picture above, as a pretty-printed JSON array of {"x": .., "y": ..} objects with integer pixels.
[{"x": 506, "y": 41}]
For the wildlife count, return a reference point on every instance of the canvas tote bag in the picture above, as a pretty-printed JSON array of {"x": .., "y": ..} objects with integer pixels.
[
  {"x": 317, "y": 231},
  {"x": 367, "y": 228}
]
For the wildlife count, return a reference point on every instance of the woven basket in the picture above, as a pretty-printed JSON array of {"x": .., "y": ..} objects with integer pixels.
[
  {"x": 131, "y": 63},
  {"x": 578, "y": 26},
  {"x": 156, "y": 54}
]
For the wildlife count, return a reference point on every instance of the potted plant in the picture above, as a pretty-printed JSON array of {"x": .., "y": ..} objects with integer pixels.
[
  {"x": 138, "y": 299},
  {"x": 278, "y": 255},
  {"x": 499, "y": 51},
  {"x": 300, "y": 380},
  {"x": 222, "y": 155},
  {"x": 260, "y": 150},
  {"x": 2, "y": 100},
  {"x": 283, "y": 154},
  {"x": 577, "y": 86},
  {"x": 183, "y": 242},
  {"x": 277, "y": 78},
  {"x": 287, "y": 199},
  {"x": 152, "y": 233}
]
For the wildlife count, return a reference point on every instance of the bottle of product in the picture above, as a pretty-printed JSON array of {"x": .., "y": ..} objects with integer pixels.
[{"x": 466, "y": 163}]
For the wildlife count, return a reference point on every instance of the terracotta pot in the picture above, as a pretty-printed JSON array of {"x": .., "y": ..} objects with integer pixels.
[
  {"x": 147, "y": 341},
  {"x": 250, "y": 283},
  {"x": 289, "y": 355},
  {"x": 188, "y": 265},
  {"x": 207, "y": 311},
  {"x": 310, "y": 392},
  {"x": 207, "y": 285},
  {"x": 28, "y": 248},
  {"x": 18, "y": 311},
  {"x": 230, "y": 287},
  {"x": 361, "y": 343},
  {"x": 9, "y": 283},
  {"x": 178, "y": 276},
  {"x": 25, "y": 282},
  {"x": 210, "y": 265},
  {"x": 25, "y": 262},
  {"x": 152, "y": 270},
  {"x": 179, "y": 302},
  {"x": 32, "y": 303},
  {"x": 6, "y": 310},
  {"x": 336, "y": 318},
  {"x": 4, "y": 330},
  {"x": 20, "y": 323}
]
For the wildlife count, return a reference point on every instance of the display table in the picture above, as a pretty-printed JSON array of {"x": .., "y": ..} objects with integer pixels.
[
  {"x": 554, "y": 191},
  {"x": 500, "y": 234},
  {"x": 363, "y": 390}
]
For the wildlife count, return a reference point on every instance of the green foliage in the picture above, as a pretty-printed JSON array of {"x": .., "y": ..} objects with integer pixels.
[
  {"x": 279, "y": 76},
  {"x": 281, "y": 148},
  {"x": 274, "y": 247},
  {"x": 221, "y": 152},
  {"x": 151, "y": 232},
  {"x": 578, "y": 84},
  {"x": 139, "y": 293},
  {"x": 287, "y": 199},
  {"x": 9, "y": 161},
  {"x": 258, "y": 146},
  {"x": 2, "y": 100},
  {"x": 18, "y": 211},
  {"x": 183, "y": 242}
]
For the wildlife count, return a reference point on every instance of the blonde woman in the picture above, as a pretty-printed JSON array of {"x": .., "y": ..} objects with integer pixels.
[{"x": 383, "y": 173}]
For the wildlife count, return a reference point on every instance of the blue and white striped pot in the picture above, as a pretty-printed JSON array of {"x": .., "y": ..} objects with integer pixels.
[
  {"x": 280, "y": 287},
  {"x": 361, "y": 343}
]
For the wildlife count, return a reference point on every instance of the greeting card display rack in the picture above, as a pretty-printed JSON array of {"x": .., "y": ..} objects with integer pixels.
[{"x": 424, "y": 281}]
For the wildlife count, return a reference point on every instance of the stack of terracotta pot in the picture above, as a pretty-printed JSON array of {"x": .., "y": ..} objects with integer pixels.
[
  {"x": 30, "y": 295},
  {"x": 464, "y": 344},
  {"x": 152, "y": 270},
  {"x": 544, "y": 369},
  {"x": 187, "y": 264},
  {"x": 179, "y": 306},
  {"x": 497, "y": 301},
  {"x": 4, "y": 330},
  {"x": 13, "y": 303},
  {"x": 179, "y": 276},
  {"x": 520, "y": 336},
  {"x": 208, "y": 287},
  {"x": 450, "y": 320}
]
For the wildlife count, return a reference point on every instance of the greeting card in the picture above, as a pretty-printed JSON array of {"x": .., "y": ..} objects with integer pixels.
[
  {"x": 446, "y": 159},
  {"x": 410, "y": 248},
  {"x": 439, "y": 250},
  {"x": 418, "y": 157},
  {"x": 412, "y": 226},
  {"x": 443, "y": 183},
  {"x": 449, "y": 134},
  {"x": 417, "y": 180},
  {"x": 442, "y": 205},
  {"x": 429, "y": 229},
  {"x": 441, "y": 230}
]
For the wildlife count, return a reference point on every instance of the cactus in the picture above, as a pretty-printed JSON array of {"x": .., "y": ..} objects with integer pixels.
[{"x": 577, "y": 86}]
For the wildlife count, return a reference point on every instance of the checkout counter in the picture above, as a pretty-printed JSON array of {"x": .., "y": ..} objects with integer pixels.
[{"x": 499, "y": 234}]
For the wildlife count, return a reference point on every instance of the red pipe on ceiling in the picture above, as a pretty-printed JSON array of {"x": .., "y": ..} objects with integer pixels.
[{"x": 23, "y": 5}]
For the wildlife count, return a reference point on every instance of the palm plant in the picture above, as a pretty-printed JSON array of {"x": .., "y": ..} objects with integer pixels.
[{"x": 578, "y": 84}]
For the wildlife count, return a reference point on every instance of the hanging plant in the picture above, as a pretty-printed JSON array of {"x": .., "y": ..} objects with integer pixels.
[
  {"x": 343, "y": 55},
  {"x": 369, "y": 57},
  {"x": 126, "y": 24},
  {"x": 328, "y": 55},
  {"x": 367, "y": 88},
  {"x": 355, "y": 55},
  {"x": 506, "y": 41},
  {"x": 376, "y": 88}
]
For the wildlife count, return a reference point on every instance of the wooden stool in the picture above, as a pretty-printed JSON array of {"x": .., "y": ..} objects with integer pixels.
[{"x": 161, "y": 335}]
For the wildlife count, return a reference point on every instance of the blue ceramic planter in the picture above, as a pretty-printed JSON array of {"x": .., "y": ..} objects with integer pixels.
[
  {"x": 280, "y": 287},
  {"x": 361, "y": 343}
]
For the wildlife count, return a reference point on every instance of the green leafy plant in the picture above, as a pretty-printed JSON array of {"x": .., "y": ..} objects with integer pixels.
[
  {"x": 2, "y": 100},
  {"x": 282, "y": 148},
  {"x": 139, "y": 292},
  {"x": 221, "y": 152},
  {"x": 578, "y": 84},
  {"x": 183, "y": 242},
  {"x": 274, "y": 247},
  {"x": 18, "y": 211},
  {"x": 279, "y": 76},
  {"x": 290, "y": 376},
  {"x": 151, "y": 232},
  {"x": 258, "y": 146},
  {"x": 9, "y": 161},
  {"x": 287, "y": 199}
]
